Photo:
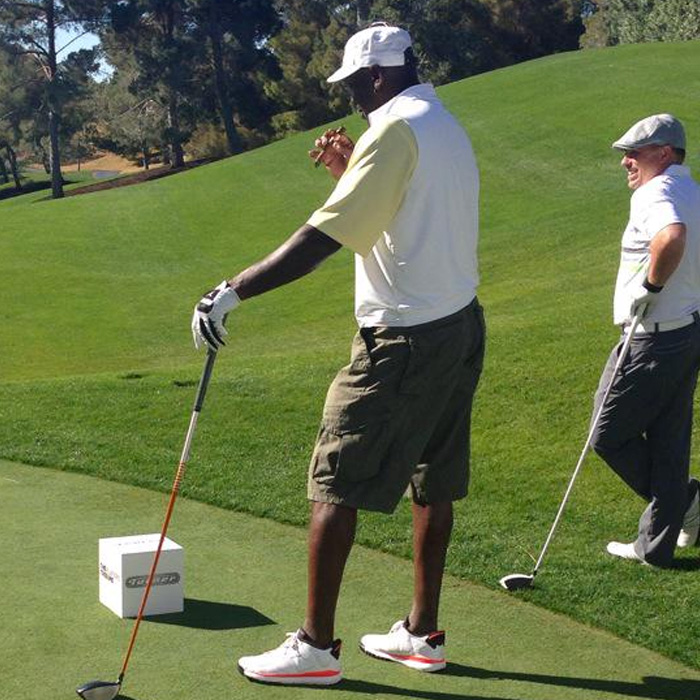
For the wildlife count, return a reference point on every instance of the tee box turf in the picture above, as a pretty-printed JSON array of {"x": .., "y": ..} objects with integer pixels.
[{"x": 125, "y": 563}]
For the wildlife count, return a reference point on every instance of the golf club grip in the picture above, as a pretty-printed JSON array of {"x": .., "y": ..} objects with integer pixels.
[
  {"x": 623, "y": 354},
  {"x": 204, "y": 380},
  {"x": 201, "y": 392}
]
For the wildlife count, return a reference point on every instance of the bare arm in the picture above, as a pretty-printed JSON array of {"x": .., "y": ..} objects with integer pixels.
[
  {"x": 666, "y": 250},
  {"x": 299, "y": 255}
]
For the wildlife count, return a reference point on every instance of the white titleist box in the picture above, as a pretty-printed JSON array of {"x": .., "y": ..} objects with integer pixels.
[{"x": 124, "y": 566}]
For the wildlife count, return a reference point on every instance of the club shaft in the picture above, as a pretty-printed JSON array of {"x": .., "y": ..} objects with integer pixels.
[
  {"x": 594, "y": 425},
  {"x": 179, "y": 475}
]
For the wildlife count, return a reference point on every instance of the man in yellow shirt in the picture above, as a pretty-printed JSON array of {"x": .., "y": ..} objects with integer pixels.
[{"x": 397, "y": 418}]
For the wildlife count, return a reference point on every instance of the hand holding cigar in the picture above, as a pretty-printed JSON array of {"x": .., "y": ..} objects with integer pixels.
[
  {"x": 328, "y": 138},
  {"x": 338, "y": 146}
]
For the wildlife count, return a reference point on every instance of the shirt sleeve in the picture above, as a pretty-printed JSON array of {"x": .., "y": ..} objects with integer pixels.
[
  {"x": 371, "y": 190},
  {"x": 661, "y": 210}
]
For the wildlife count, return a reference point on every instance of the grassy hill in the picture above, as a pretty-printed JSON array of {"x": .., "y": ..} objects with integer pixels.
[{"x": 97, "y": 367}]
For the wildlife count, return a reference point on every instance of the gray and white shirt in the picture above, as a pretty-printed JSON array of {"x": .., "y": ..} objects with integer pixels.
[{"x": 669, "y": 198}]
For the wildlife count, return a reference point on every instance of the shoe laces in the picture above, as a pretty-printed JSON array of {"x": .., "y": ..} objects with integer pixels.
[
  {"x": 397, "y": 627},
  {"x": 290, "y": 646}
]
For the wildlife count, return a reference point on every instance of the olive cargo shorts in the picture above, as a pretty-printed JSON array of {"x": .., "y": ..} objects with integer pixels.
[{"x": 399, "y": 414}]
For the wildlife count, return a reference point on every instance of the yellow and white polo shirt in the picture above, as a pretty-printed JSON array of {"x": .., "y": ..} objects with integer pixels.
[{"x": 408, "y": 206}]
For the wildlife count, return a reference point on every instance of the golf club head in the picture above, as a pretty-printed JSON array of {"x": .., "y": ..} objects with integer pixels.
[
  {"x": 514, "y": 582},
  {"x": 99, "y": 690}
]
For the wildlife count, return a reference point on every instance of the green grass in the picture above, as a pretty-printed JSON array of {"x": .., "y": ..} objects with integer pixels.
[
  {"x": 235, "y": 605},
  {"x": 34, "y": 181},
  {"x": 99, "y": 288}
]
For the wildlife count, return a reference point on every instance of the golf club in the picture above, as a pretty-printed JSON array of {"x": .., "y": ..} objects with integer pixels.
[
  {"x": 107, "y": 690},
  {"x": 514, "y": 582}
]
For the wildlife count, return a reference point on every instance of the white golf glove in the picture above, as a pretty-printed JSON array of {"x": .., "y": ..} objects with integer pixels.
[
  {"x": 210, "y": 314},
  {"x": 643, "y": 298}
]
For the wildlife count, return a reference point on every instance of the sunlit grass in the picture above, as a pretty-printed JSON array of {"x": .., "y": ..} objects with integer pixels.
[{"x": 98, "y": 369}]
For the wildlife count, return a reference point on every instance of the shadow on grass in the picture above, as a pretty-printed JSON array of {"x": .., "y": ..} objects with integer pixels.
[
  {"x": 208, "y": 615},
  {"x": 27, "y": 188},
  {"x": 686, "y": 564},
  {"x": 652, "y": 687},
  {"x": 381, "y": 690}
]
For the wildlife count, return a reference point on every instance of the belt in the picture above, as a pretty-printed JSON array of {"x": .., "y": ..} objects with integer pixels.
[{"x": 663, "y": 326}]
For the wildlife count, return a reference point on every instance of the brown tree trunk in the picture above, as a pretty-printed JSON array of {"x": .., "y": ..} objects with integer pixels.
[
  {"x": 3, "y": 171},
  {"x": 232, "y": 137},
  {"x": 178, "y": 155},
  {"x": 12, "y": 159},
  {"x": 362, "y": 10},
  {"x": 54, "y": 116}
]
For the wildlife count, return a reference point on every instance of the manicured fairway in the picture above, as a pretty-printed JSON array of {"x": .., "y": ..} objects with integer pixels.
[
  {"x": 245, "y": 581},
  {"x": 97, "y": 367}
]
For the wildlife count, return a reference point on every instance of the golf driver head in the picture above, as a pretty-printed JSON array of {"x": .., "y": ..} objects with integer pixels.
[
  {"x": 515, "y": 582},
  {"x": 99, "y": 690}
]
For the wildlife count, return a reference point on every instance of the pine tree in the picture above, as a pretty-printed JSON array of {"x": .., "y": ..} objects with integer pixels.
[
  {"x": 29, "y": 28},
  {"x": 236, "y": 34},
  {"x": 158, "y": 36},
  {"x": 610, "y": 22}
]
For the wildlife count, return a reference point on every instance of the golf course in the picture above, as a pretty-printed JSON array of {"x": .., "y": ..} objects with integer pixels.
[{"x": 98, "y": 374}]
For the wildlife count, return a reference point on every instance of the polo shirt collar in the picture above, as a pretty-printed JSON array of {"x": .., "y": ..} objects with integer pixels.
[
  {"x": 422, "y": 91},
  {"x": 677, "y": 170}
]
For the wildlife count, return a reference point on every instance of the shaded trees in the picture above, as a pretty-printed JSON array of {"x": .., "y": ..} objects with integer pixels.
[
  {"x": 237, "y": 72},
  {"x": 237, "y": 59},
  {"x": 198, "y": 58},
  {"x": 530, "y": 29},
  {"x": 15, "y": 85},
  {"x": 29, "y": 28},
  {"x": 610, "y": 22},
  {"x": 155, "y": 35},
  {"x": 453, "y": 39},
  {"x": 307, "y": 48}
]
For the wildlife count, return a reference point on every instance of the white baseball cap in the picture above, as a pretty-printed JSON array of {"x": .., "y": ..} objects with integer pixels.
[
  {"x": 377, "y": 45},
  {"x": 656, "y": 130}
]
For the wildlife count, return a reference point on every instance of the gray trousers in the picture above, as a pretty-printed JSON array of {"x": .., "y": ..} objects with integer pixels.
[{"x": 645, "y": 429}]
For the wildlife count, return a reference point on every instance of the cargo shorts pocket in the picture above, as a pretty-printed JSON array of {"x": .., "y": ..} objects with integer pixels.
[
  {"x": 349, "y": 456},
  {"x": 396, "y": 362}
]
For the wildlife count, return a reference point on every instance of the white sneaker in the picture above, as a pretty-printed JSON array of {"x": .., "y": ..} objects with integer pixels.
[
  {"x": 624, "y": 551},
  {"x": 690, "y": 530},
  {"x": 421, "y": 653},
  {"x": 294, "y": 662}
]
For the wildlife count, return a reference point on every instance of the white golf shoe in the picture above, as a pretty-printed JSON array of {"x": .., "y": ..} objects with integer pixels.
[
  {"x": 421, "y": 653},
  {"x": 690, "y": 530},
  {"x": 624, "y": 551},
  {"x": 294, "y": 662}
]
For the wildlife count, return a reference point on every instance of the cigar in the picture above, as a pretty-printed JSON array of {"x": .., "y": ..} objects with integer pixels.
[{"x": 317, "y": 162}]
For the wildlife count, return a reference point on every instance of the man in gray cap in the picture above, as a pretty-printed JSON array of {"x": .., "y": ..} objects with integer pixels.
[
  {"x": 397, "y": 418},
  {"x": 645, "y": 428}
]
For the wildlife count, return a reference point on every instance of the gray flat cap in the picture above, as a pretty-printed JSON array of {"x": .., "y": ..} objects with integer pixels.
[{"x": 657, "y": 130}]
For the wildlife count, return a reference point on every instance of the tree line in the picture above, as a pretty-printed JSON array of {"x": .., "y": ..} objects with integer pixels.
[{"x": 209, "y": 78}]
